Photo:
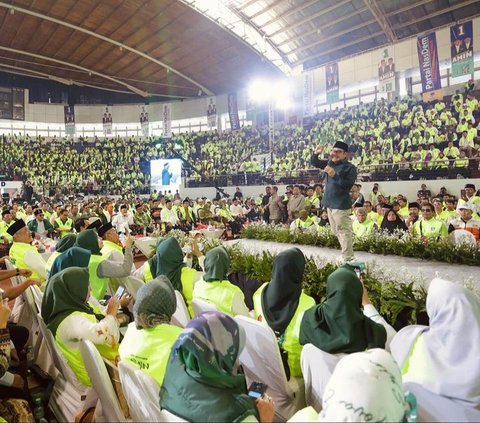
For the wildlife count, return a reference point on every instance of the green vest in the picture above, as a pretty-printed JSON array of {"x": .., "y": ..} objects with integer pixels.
[
  {"x": 50, "y": 260},
  {"x": 291, "y": 342},
  {"x": 64, "y": 225},
  {"x": 218, "y": 293},
  {"x": 304, "y": 224},
  {"x": 17, "y": 257},
  {"x": 149, "y": 349},
  {"x": 74, "y": 356},
  {"x": 363, "y": 229},
  {"x": 429, "y": 228},
  {"x": 99, "y": 285},
  {"x": 109, "y": 247},
  {"x": 184, "y": 213}
]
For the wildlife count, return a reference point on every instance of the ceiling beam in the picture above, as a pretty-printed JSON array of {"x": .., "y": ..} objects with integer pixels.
[
  {"x": 404, "y": 9},
  {"x": 247, "y": 4},
  {"x": 382, "y": 20},
  {"x": 288, "y": 12},
  {"x": 108, "y": 40},
  {"x": 309, "y": 18},
  {"x": 263, "y": 11}
]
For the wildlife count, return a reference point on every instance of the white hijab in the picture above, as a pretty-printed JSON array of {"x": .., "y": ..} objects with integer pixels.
[
  {"x": 446, "y": 357},
  {"x": 365, "y": 386}
]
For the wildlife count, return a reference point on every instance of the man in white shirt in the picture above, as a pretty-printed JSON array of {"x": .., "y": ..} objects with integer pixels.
[
  {"x": 169, "y": 216},
  {"x": 123, "y": 220},
  {"x": 236, "y": 209}
]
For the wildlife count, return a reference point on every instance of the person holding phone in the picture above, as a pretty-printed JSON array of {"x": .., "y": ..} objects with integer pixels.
[{"x": 202, "y": 381}]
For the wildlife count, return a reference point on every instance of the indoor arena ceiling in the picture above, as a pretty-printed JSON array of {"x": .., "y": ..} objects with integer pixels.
[{"x": 186, "y": 48}]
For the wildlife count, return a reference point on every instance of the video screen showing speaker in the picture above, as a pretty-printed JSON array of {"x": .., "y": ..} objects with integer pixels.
[{"x": 166, "y": 175}]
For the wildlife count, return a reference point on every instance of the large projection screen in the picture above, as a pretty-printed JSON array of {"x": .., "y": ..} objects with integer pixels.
[{"x": 166, "y": 175}]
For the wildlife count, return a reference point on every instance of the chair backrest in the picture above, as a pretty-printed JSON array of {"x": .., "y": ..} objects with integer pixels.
[
  {"x": 101, "y": 382},
  {"x": 199, "y": 306},
  {"x": 37, "y": 295},
  {"x": 141, "y": 392},
  {"x": 181, "y": 317},
  {"x": 58, "y": 359},
  {"x": 461, "y": 236},
  {"x": 170, "y": 417},
  {"x": 435, "y": 408},
  {"x": 132, "y": 285}
]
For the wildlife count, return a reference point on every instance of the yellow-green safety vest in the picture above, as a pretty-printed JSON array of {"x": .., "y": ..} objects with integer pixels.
[
  {"x": 218, "y": 293},
  {"x": 17, "y": 257},
  {"x": 109, "y": 247},
  {"x": 74, "y": 357},
  {"x": 292, "y": 333},
  {"x": 64, "y": 225},
  {"x": 429, "y": 228},
  {"x": 49, "y": 263},
  {"x": 99, "y": 285},
  {"x": 363, "y": 229},
  {"x": 149, "y": 349}
]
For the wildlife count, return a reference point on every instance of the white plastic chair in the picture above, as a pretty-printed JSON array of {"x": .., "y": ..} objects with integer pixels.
[
  {"x": 132, "y": 285},
  {"x": 262, "y": 362},
  {"x": 181, "y": 317},
  {"x": 462, "y": 236},
  {"x": 69, "y": 397},
  {"x": 111, "y": 410},
  {"x": 199, "y": 306},
  {"x": 141, "y": 392},
  {"x": 170, "y": 417},
  {"x": 435, "y": 408}
]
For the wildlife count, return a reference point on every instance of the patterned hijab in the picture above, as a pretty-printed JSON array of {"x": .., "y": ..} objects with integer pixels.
[
  {"x": 168, "y": 261},
  {"x": 338, "y": 325},
  {"x": 73, "y": 257},
  {"x": 216, "y": 264},
  {"x": 155, "y": 303}
]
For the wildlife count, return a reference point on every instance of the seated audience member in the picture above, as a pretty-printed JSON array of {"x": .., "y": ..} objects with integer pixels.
[
  {"x": 470, "y": 197},
  {"x": 413, "y": 214},
  {"x": 202, "y": 381},
  {"x": 12, "y": 410},
  {"x": 205, "y": 215},
  {"x": 100, "y": 268},
  {"x": 449, "y": 213},
  {"x": 303, "y": 222},
  {"x": 63, "y": 245},
  {"x": 141, "y": 218},
  {"x": 428, "y": 227},
  {"x": 339, "y": 325},
  {"x": 392, "y": 223},
  {"x": 227, "y": 218},
  {"x": 362, "y": 225},
  {"x": 39, "y": 225},
  {"x": 73, "y": 257},
  {"x": 63, "y": 225},
  {"x": 71, "y": 320},
  {"x": 168, "y": 216},
  {"x": 149, "y": 339},
  {"x": 281, "y": 304},
  {"x": 237, "y": 210},
  {"x": 466, "y": 222},
  {"x": 186, "y": 215},
  {"x": 112, "y": 247},
  {"x": 365, "y": 386},
  {"x": 6, "y": 222},
  {"x": 215, "y": 288},
  {"x": 23, "y": 254},
  {"x": 324, "y": 218},
  {"x": 81, "y": 224},
  {"x": 122, "y": 221},
  {"x": 443, "y": 357}
]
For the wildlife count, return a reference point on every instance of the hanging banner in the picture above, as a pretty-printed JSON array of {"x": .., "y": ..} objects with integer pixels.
[
  {"x": 107, "y": 121},
  {"x": 308, "y": 94},
  {"x": 429, "y": 68},
  {"x": 386, "y": 70},
  {"x": 461, "y": 47},
  {"x": 331, "y": 77},
  {"x": 69, "y": 117},
  {"x": 144, "y": 121},
  {"x": 233, "y": 111},
  {"x": 211, "y": 112},
  {"x": 167, "y": 120}
]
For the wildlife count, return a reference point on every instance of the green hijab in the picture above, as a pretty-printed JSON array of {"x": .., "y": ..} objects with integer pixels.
[
  {"x": 216, "y": 264},
  {"x": 281, "y": 296},
  {"x": 73, "y": 257},
  {"x": 168, "y": 261},
  {"x": 64, "y": 294},
  {"x": 89, "y": 241},
  {"x": 65, "y": 243},
  {"x": 338, "y": 325}
]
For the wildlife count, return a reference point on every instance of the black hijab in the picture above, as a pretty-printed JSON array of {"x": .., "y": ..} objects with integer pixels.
[{"x": 391, "y": 227}]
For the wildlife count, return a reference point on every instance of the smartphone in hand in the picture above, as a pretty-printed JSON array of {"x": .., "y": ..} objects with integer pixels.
[{"x": 257, "y": 390}]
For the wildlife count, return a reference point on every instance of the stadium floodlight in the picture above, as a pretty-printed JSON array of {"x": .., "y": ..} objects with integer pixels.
[{"x": 277, "y": 92}]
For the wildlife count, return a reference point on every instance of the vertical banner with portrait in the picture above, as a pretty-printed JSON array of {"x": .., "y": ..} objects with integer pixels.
[
  {"x": 167, "y": 120},
  {"x": 18, "y": 103},
  {"x": 461, "y": 40},
  {"x": 332, "y": 83},
  {"x": 386, "y": 70},
  {"x": 107, "y": 121},
  {"x": 429, "y": 67},
  {"x": 69, "y": 117},
  {"x": 144, "y": 121},
  {"x": 233, "y": 111},
  {"x": 307, "y": 94},
  {"x": 212, "y": 112}
]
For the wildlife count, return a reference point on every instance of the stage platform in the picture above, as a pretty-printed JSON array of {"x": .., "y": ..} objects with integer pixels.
[{"x": 384, "y": 267}]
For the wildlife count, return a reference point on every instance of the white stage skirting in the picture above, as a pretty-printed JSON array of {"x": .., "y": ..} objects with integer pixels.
[{"x": 403, "y": 269}]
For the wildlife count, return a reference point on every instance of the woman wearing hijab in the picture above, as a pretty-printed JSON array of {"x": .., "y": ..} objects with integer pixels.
[
  {"x": 216, "y": 289},
  {"x": 444, "y": 356},
  {"x": 100, "y": 268},
  {"x": 71, "y": 320},
  {"x": 150, "y": 338},
  {"x": 202, "y": 382},
  {"x": 73, "y": 257},
  {"x": 392, "y": 223},
  {"x": 63, "y": 245},
  {"x": 280, "y": 304}
]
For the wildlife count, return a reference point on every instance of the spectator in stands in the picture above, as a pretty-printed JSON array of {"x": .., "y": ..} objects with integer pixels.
[
  {"x": 202, "y": 382},
  {"x": 41, "y": 227},
  {"x": 149, "y": 339},
  {"x": 281, "y": 304},
  {"x": 434, "y": 356},
  {"x": 362, "y": 225},
  {"x": 238, "y": 194},
  {"x": 466, "y": 222},
  {"x": 424, "y": 192},
  {"x": 71, "y": 320},
  {"x": 214, "y": 287}
]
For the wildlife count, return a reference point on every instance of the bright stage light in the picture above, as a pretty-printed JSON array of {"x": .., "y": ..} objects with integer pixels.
[{"x": 277, "y": 92}]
